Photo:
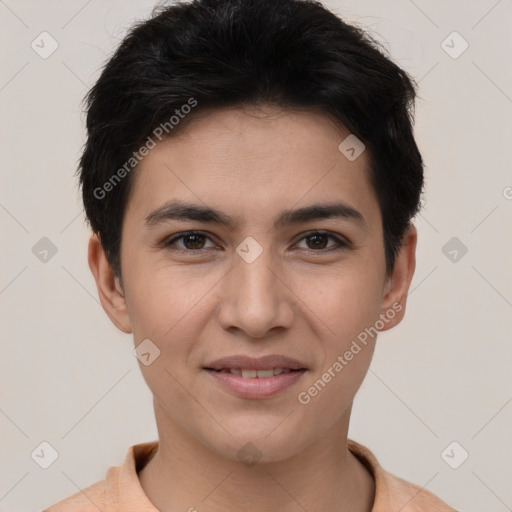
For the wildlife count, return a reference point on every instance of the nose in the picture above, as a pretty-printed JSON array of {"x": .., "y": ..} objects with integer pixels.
[{"x": 255, "y": 297}]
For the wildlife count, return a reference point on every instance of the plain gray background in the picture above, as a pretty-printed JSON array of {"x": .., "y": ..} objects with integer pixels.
[{"x": 68, "y": 376}]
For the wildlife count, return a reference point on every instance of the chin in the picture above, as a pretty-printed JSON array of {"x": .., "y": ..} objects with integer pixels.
[{"x": 259, "y": 441}]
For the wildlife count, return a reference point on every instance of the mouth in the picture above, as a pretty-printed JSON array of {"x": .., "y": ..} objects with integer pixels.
[
  {"x": 255, "y": 378},
  {"x": 273, "y": 362},
  {"x": 259, "y": 374}
]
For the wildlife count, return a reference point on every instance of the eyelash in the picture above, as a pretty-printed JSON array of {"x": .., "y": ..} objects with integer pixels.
[{"x": 341, "y": 244}]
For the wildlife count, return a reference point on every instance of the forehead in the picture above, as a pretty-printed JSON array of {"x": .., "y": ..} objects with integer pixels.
[{"x": 253, "y": 161}]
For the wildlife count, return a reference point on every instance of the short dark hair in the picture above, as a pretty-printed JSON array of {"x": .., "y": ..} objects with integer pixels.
[{"x": 209, "y": 54}]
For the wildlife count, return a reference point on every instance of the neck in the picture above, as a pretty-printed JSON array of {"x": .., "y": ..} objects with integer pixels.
[{"x": 185, "y": 474}]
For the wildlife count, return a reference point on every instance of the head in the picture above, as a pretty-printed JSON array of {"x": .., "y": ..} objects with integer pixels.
[{"x": 282, "y": 137}]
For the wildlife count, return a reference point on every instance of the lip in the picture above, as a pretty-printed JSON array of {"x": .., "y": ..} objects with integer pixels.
[
  {"x": 255, "y": 387},
  {"x": 256, "y": 363}
]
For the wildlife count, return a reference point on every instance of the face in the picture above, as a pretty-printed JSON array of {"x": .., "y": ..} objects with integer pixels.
[{"x": 285, "y": 262}]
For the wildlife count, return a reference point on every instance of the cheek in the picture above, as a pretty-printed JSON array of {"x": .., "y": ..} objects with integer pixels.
[
  {"x": 162, "y": 300},
  {"x": 350, "y": 307},
  {"x": 347, "y": 301},
  {"x": 176, "y": 303}
]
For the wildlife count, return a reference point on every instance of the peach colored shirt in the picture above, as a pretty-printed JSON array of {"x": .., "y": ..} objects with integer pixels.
[{"x": 121, "y": 491}]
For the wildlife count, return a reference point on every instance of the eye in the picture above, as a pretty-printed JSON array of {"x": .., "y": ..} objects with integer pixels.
[
  {"x": 318, "y": 240},
  {"x": 193, "y": 241}
]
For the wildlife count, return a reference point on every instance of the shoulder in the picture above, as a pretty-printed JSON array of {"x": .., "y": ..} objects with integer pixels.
[
  {"x": 393, "y": 493},
  {"x": 408, "y": 497},
  {"x": 90, "y": 498},
  {"x": 120, "y": 490}
]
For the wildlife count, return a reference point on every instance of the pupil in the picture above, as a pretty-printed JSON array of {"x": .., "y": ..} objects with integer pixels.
[
  {"x": 316, "y": 237},
  {"x": 196, "y": 238}
]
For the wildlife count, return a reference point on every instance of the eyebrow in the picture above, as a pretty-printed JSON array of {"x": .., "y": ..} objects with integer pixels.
[{"x": 182, "y": 211}]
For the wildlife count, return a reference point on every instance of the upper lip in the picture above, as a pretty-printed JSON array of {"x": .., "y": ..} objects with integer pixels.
[{"x": 255, "y": 363}]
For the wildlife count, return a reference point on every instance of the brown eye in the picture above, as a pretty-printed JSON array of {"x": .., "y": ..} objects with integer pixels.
[
  {"x": 193, "y": 241},
  {"x": 190, "y": 242},
  {"x": 318, "y": 242}
]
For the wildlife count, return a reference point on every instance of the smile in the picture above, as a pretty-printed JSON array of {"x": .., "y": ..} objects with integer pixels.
[
  {"x": 255, "y": 384},
  {"x": 256, "y": 378}
]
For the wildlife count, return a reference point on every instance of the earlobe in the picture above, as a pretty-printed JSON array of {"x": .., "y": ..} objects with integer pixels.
[
  {"x": 110, "y": 291},
  {"x": 398, "y": 282}
]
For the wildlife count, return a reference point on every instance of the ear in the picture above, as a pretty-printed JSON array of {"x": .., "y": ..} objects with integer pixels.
[
  {"x": 110, "y": 290},
  {"x": 397, "y": 283}
]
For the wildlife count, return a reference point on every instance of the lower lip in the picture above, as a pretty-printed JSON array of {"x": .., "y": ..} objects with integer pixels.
[{"x": 255, "y": 387}]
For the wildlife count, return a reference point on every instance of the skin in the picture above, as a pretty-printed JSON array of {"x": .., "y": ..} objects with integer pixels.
[{"x": 298, "y": 299}]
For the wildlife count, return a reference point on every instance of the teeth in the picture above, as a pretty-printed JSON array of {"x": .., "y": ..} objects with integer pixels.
[
  {"x": 265, "y": 373},
  {"x": 262, "y": 374}
]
